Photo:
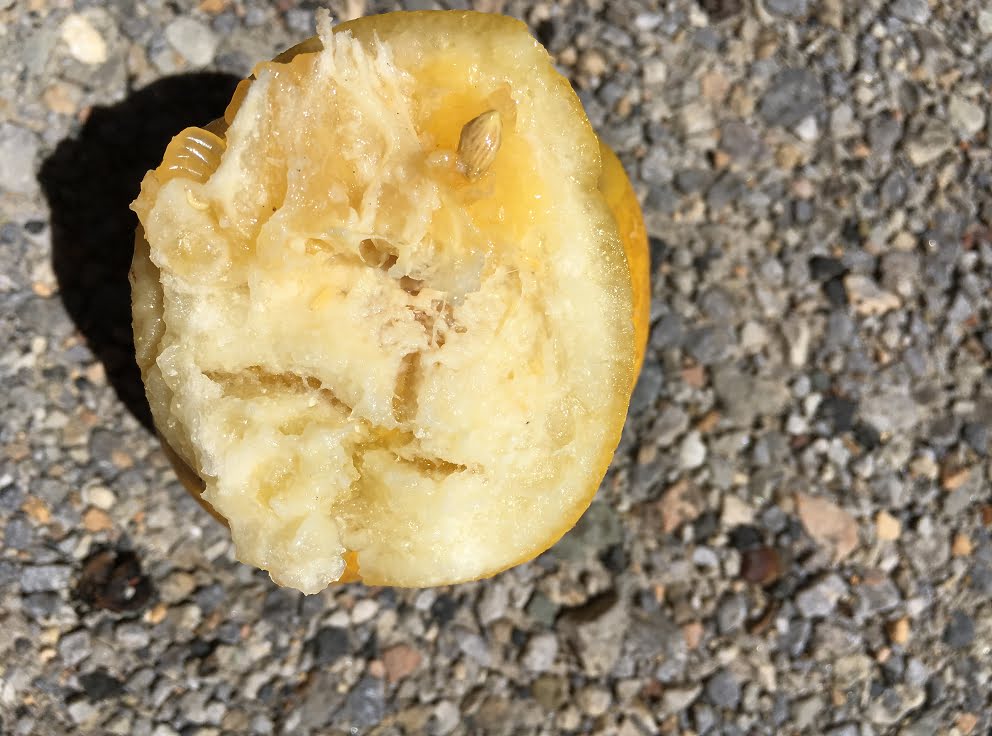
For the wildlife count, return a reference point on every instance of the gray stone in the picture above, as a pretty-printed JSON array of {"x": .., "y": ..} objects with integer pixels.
[
  {"x": 788, "y": 8},
  {"x": 474, "y": 647},
  {"x": 300, "y": 20},
  {"x": 597, "y": 631},
  {"x": 916, "y": 673},
  {"x": 894, "y": 189},
  {"x": 723, "y": 690},
  {"x": 726, "y": 191},
  {"x": 703, "y": 718},
  {"x": 661, "y": 200},
  {"x": 19, "y": 533},
  {"x": 710, "y": 345},
  {"x": 792, "y": 95},
  {"x": 667, "y": 332},
  {"x": 747, "y": 397},
  {"x": 493, "y": 602},
  {"x": 330, "y": 644},
  {"x": 901, "y": 273},
  {"x": 690, "y": 181},
  {"x": 731, "y": 614},
  {"x": 741, "y": 142},
  {"x": 891, "y": 410},
  {"x": 540, "y": 653},
  {"x": 18, "y": 159},
  {"x": 191, "y": 38},
  {"x": 672, "y": 421},
  {"x": 960, "y": 630},
  {"x": 657, "y": 644},
  {"x": 795, "y": 640},
  {"x": 884, "y": 132},
  {"x": 648, "y": 387},
  {"x": 42, "y": 578},
  {"x": 599, "y": 528},
  {"x": 656, "y": 167},
  {"x": 365, "y": 705},
  {"x": 876, "y": 597},
  {"x": 705, "y": 557},
  {"x": 981, "y": 578},
  {"x": 820, "y": 600},
  {"x": 911, "y": 11},
  {"x": 132, "y": 635},
  {"x": 848, "y": 729},
  {"x": 542, "y": 610},
  {"x": 806, "y": 711},
  {"x": 74, "y": 647}
]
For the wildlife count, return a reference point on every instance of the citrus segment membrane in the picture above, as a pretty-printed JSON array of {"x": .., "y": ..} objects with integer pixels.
[{"x": 371, "y": 343}]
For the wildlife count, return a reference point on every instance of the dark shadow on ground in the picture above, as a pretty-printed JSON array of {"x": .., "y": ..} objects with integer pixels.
[{"x": 89, "y": 182}]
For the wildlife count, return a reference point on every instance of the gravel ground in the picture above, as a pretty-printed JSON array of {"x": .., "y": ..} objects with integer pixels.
[{"x": 796, "y": 534}]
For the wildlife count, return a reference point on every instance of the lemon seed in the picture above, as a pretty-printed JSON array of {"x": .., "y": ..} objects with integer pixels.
[{"x": 479, "y": 143}]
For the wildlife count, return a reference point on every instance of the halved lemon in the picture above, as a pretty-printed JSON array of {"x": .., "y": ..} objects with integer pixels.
[{"x": 389, "y": 310}]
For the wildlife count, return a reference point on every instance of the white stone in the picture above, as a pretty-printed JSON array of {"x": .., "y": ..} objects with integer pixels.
[
  {"x": 735, "y": 512},
  {"x": 967, "y": 118},
  {"x": 985, "y": 22},
  {"x": 655, "y": 72},
  {"x": 808, "y": 130},
  {"x": 692, "y": 453},
  {"x": 18, "y": 157},
  {"x": 195, "y": 41},
  {"x": 99, "y": 496},
  {"x": 84, "y": 42},
  {"x": 364, "y": 610}
]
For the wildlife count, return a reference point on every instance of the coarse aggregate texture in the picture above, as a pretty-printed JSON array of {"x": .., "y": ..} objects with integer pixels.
[{"x": 796, "y": 533}]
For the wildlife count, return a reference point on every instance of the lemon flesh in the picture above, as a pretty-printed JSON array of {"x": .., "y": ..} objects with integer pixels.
[{"x": 365, "y": 353}]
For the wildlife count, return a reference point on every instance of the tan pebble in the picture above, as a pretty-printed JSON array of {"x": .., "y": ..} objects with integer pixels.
[
  {"x": 693, "y": 633},
  {"x": 96, "y": 520},
  {"x": 962, "y": 546},
  {"x": 898, "y": 630},
  {"x": 36, "y": 509},
  {"x": 721, "y": 159},
  {"x": 62, "y": 98},
  {"x": 887, "y": 527},
  {"x": 400, "y": 661},
  {"x": 714, "y": 86},
  {"x": 157, "y": 614},
  {"x": 788, "y": 156},
  {"x": 121, "y": 459},
  {"x": 952, "y": 478},
  {"x": 593, "y": 63},
  {"x": 214, "y": 7},
  {"x": 828, "y": 524},
  {"x": 376, "y": 669},
  {"x": 966, "y": 723},
  {"x": 42, "y": 289}
]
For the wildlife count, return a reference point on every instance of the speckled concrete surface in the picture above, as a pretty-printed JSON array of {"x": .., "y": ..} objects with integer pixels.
[{"x": 795, "y": 534}]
